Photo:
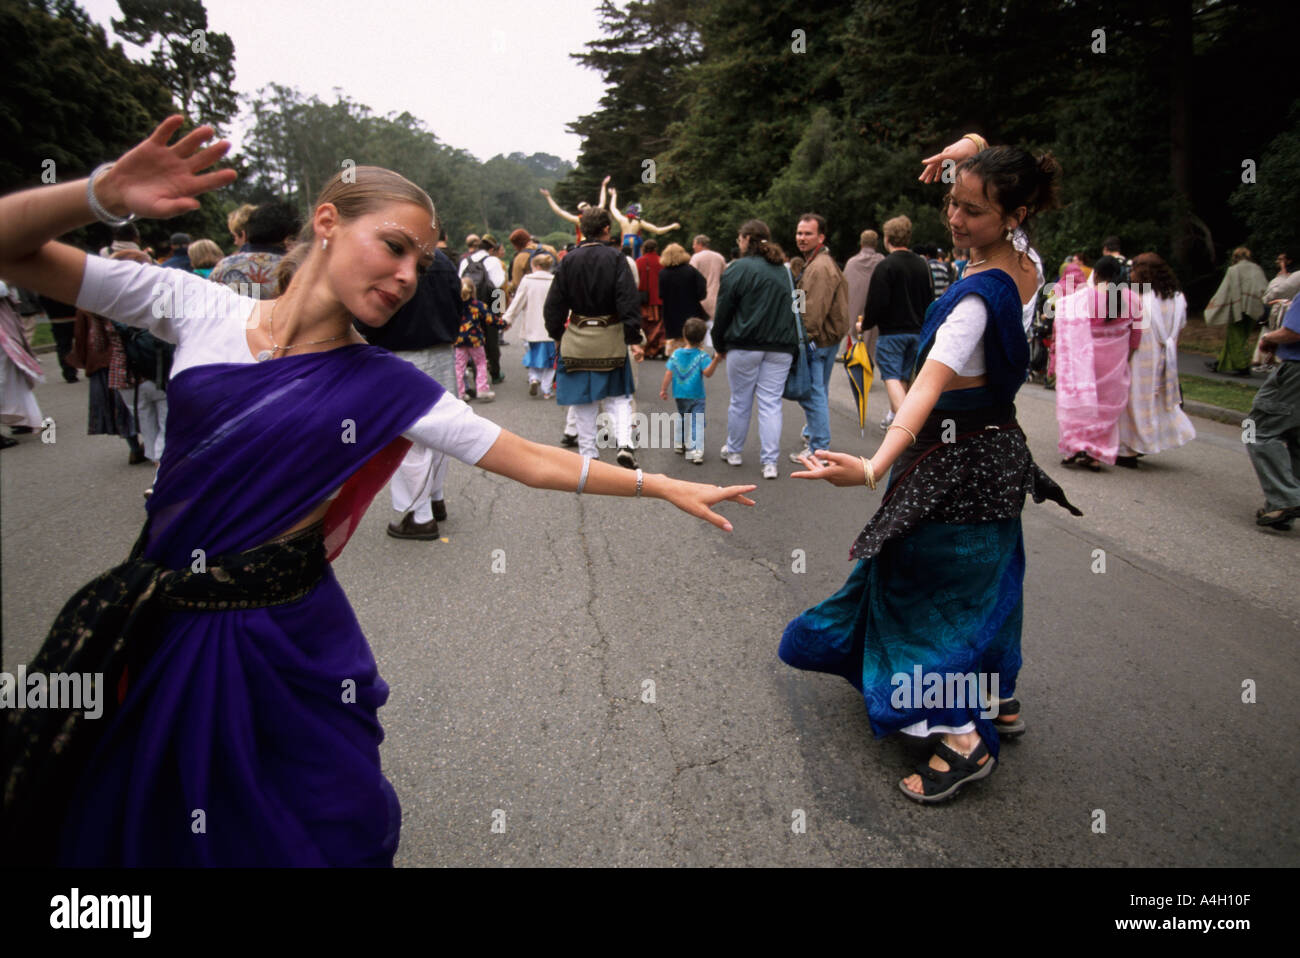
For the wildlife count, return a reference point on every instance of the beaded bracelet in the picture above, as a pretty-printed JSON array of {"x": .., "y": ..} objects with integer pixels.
[{"x": 101, "y": 212}]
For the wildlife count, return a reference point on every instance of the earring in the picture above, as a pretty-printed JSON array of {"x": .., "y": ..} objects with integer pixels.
[
  {"x": 1010, "y": 233},
  {"x": 324, "y": 244}
]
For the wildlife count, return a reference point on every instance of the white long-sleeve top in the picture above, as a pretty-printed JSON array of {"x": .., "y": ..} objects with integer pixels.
[
  {"x": 208, "y": 322},
  {"x": 527, "y": 305}
]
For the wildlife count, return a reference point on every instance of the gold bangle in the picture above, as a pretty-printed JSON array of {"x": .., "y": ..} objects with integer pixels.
[
  {"x": 868, "y": 473},
  {"x": 981, "y": 144},
  {"x": 898, "y": 425}
]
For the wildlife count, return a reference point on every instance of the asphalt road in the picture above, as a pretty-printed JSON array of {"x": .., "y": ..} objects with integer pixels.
[{"x": 520, "y": 692}]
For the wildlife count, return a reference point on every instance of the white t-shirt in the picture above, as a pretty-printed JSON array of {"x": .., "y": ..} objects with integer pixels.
[
  {"x": 207, "y": 322},
  {"x": 959, "y": 342}
]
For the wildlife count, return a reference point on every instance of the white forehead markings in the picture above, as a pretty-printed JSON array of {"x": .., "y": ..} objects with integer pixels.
[{"x": 422, "y": 247}]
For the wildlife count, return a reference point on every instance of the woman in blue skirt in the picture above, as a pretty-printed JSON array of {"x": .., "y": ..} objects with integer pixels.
[{"x": 927, "y": 627}]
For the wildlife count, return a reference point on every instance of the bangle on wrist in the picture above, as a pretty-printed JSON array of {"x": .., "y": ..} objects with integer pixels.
[
  {"x": 979, "y": 141},
  {"x": 582, "y": 480},
  {"x": 868, "y": 473},
  {"x": 101, "y": 212},
  {"x": 640, "y": 480}
]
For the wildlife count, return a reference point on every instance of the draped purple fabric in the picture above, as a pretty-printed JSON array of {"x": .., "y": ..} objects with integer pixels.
[{"x": 252, "y": 736}]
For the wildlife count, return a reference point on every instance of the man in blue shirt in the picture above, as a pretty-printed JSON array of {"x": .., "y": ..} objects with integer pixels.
[{"x": 1275, "y": 414}]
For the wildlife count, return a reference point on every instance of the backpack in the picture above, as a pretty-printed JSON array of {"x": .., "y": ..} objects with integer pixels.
[
  {"x": 147, "y": 356},
  {"x": 476, "y": 272}
]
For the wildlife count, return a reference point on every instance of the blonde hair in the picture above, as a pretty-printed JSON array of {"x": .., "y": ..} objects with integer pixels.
[
  {"x": 237, "y": 221},
  {"x": 543, "y": 261},
  {"x": 356, "y": 192},
  {"x": 898, "y": 231},
  {"x": 674, "y": 255},
  {"x": 467, "y": 289},
  {"x": 1240, "y": 253},
  {"x": 204, "y": 253}
]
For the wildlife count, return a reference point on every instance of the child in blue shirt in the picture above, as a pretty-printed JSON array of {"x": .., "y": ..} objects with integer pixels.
[{"x": 687, "y": 368}]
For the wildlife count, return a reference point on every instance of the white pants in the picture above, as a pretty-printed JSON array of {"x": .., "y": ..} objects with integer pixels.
[
  {"x": 151, "y": 420},
  {"x": 583, "y": 418},
  {"x": 750, "y": 373},
  {"x": 418, "y": 480},
  {"x": 544, "y": 375}
]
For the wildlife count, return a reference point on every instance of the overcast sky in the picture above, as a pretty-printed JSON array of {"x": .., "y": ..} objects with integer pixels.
[{"x": 492, "y": 76}]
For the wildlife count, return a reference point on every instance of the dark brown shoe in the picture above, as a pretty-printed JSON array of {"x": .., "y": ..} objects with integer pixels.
[
  {"x": 439, "y": 510},
  {"x": 408, "y": 528}
]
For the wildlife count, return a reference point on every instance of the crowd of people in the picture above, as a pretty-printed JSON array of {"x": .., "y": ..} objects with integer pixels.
[{"x": 366, "y": 301}]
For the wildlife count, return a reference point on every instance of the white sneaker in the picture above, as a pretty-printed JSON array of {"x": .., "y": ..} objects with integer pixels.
[
  {"x": 731, "y": 458},
  {"x": 884, "y": 423},
  {"x": 696, "y": 456},
  {"x": 487, "y": 396},
  {"x": 796, "y": 457},
  {"x": 769, "y": 470}
]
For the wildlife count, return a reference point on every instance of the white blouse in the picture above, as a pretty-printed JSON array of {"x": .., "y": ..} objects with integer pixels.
[
  {"x": 208, "y": 322},
  {"x": 959, "y": 342}
]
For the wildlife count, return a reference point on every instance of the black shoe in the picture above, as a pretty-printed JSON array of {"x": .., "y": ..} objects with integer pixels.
[
  {"x": 408, "y": 528},
  {"x": 1240, "y": 372},
  {"x": 498, "y": 379},
  {"x": 1128, "y": 462},
  {"x": 471, "y": 393},
  {"x": 7, "y": 443},
  {"x": 20, "y": 430},
  {"x": 71, "y": 379},
  {"x": 439, "y": 510},
  {"x": 567, "y": 440},
  {"x": 626, "y": 459},
  {"x": 136, "y": 457}
]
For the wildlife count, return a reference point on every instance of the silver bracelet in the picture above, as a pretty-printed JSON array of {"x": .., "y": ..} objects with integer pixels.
[
  {"x": 582, "y": 480},
  {"x": 96, "y": 207},
  {"x": 640, "y": 478}
]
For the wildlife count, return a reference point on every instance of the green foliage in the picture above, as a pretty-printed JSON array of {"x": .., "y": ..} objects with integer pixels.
[
  {"x": 1150, "y": 130},
  {"x": 1270, "y": 204},
  {"x": 297, "y": 143},
  {"x": 195, "y": 63},
  {"x": 68, "y": 102}
]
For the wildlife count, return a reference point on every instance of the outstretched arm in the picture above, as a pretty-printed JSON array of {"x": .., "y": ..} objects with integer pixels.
[
  {"x": 563, "y": 214},
  {"x": 846, "y": 470},
  {"x": 660, "y": 229},
  {"x": 603, "y": 183},
  {"x": 548, "y": 467},
  {"x": 152, "y": 180}
]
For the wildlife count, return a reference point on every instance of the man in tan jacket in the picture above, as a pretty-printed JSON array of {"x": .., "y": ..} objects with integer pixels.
[{"x": 825, "y": 295}]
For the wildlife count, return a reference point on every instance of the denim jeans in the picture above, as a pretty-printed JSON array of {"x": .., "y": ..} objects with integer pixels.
[
  {"x": 691, "y": 416},
  {"x": 816, "y": 407},
  {"x": 761, "y": 373}
]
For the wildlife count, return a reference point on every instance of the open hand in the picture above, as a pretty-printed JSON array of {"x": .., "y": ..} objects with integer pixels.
[
  {"x": 953, "y": 151},
  {"x": 837, "y": 468},
  {"x": 696, "y": 498},
  {"x": 157, "y": 181}
]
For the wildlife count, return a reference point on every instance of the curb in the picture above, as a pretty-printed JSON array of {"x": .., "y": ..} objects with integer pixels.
[{"x": 1204, "y": 410}]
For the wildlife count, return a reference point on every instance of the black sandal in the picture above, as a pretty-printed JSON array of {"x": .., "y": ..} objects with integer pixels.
[
  {"x": 937, "y": 786},
  {"x": 1009, "y": 728},
  {"x": 1277, "y": 518}
]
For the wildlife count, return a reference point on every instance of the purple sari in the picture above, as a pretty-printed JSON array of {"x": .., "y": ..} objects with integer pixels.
[{"x": 251, "y": 736}]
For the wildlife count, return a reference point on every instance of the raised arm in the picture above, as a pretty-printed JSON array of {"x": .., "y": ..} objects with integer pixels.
[
  {"x": 563, "y": 214},
  {"x": 151, "y": 180},
  {"x": 603, "y": 197},
  {"x": 623, "y": 224},
  {"x": 548, "y": 467}
]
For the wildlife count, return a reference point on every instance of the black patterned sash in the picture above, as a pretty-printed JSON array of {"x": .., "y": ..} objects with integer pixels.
[{"x": 112, "y": 626}]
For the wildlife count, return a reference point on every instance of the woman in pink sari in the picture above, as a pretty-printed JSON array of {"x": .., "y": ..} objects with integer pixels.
[{"x": 1096, "y": 333}]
